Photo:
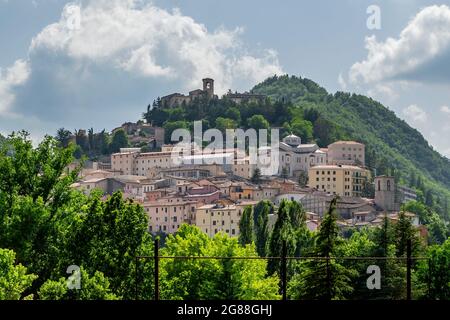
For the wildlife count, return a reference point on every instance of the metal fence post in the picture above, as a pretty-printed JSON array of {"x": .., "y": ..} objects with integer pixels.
[
  {"x": 156, "y": 258},
  {"x": 408, "y": 270},
  {"x": 328, "y": 278},
  {"x": 284, "y": 270},
  {"x": 136, "y": 279},
  {"x": 430, "y": 272}
]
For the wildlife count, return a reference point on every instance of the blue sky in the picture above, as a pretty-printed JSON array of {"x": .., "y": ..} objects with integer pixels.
[{"x": 125, "y": 53}]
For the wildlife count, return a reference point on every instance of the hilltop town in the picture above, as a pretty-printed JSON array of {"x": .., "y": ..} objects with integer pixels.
[{"x": 213, "y": 194}]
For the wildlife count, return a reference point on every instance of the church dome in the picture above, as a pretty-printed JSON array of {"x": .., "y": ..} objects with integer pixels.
[{"x": 292, "y": 140}]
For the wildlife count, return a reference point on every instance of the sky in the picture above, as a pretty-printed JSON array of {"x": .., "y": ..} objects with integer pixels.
[{"x": 99, "y": 63}]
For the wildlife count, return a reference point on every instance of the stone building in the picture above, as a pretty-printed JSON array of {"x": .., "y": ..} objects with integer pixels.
[
  {"x": 347, "y": 153},
  {"x": 177, "y": 99},
  {"x": 387, "y": 197}
]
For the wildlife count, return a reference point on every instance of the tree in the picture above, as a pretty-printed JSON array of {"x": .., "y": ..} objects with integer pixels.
[
  {"x": 303, "y": 129},
  {"x": 323, "y": 278},
  {"x": 261, "y": 214},
  {"x": 257, "y": 122},
  {"x": 119, "y": 140},
  {"x": 34, "y": 190},
  {"x": 436, "y": 272},
  {"x": 193, "y": 279},
  {"x": 169, "y": 127},
  {"x": 14, "y": 279},
  {"x": 303, "y": 179},
  {"x": 106, "y": 236},
  {"x": 63, "y": 136},
  {"x": 225, "y": 123},
  {"x": 297, "y": 215},
  {"x": 429, "y": 199},
  {"x": 91, "y": 141},
  {"x": 393, "y": 270},
  {"x": 91, "y": 288},
  {"x": 82, "y": 140},
  {"x": 282, "y": 232},
  {"x": 256, "y": 176},
  {"x": 37, "y": 172},
  {"x": 405, "y": 231},
  {"x": 246, "y": 235}
]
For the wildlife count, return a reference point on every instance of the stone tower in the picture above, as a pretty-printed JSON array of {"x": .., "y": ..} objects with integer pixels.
[
  {"x": 385, "y": 193},
  {"x": 208, "y": 87}
]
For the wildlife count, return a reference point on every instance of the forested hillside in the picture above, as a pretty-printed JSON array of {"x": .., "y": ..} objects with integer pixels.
[{"x": 392, "y": 145}]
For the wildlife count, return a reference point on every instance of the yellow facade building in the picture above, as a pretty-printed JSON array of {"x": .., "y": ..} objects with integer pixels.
[
  {"x": 214, "y": 218},
  {"x": 342, "y": 180}
]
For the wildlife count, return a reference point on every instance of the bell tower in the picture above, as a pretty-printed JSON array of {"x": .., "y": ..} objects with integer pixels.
[
  {"x": 385, "y": 193},
  {"x": 208, "y": 87}
]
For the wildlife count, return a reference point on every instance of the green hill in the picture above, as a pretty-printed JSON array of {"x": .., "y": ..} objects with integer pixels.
[{"x": 392, "y": 145}]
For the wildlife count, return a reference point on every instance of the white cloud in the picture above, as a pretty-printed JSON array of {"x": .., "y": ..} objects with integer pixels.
[
  {"x": 420, "y": 52},
  {"x": 153, "y": 42},
  {"x": 12, "y": 77},
  {"x": 415, "y": 114},
  {"x": 341, "y": 81},
  {"x": 124, "y": 55},
  {"x": 445, "y": 110}
]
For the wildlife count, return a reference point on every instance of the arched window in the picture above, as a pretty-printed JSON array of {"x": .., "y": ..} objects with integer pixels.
[
  {"x": 389, "y": 185},
  {"x": 379, "y": 185}
]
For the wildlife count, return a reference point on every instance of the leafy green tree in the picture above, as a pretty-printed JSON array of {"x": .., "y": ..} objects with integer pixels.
[
  {"x": 257, "y": 122},
  {"x": 169, "y": 127},
  {"x": 225, "y": 123},
  {"x": 303, "y": 129},
  {"x": 91, "y": 288},
  {"x": 14, "y": 279},
  {"x": 297, "y": 215},
  {"x": 119, "y": 140},
  {"x": 234, "y": 114},
  {"x": 282, "y": 232},
  {"x": 246, "y": 234},
  {"x": 405, "y": 231},
  {"x": 82, "y": 140},
  {"x": 324, "y": 277},
  {"x": 261, "y": 214},
  {"x": 63, "y": 136},
  {"x": 193, "y": 279},
  {"x": 106, "y": 236},
  {"x": 393, "y": 270},
  {"x": 34, "y": 189},
  {"x": 436, "y": 272}
]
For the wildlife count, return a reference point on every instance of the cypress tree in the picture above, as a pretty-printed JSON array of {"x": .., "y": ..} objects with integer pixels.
[
  {"x": 261, "y": 224},
  {"x": 246, "y": 227}
]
